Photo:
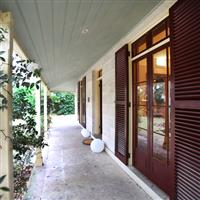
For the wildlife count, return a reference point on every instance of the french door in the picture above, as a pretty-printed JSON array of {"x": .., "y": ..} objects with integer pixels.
[
  {"x": 151, "y": 97},
  {"x": 83, "y": 102}
]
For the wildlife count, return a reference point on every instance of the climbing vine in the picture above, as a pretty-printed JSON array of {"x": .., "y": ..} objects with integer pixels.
[
  {"x": 3, "y": 100},
  {"x": 3, "y": 77},
  {"x": 25, "y": 79}
]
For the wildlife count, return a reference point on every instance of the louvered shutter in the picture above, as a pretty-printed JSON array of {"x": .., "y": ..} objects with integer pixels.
[
  {"x": 185, "y": 53},
  {"x": 121, "y": 104},
  {"x": 78, "y": 101},
  {"x": 83, "y": 102}
]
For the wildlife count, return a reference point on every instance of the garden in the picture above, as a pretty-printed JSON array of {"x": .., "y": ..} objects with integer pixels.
[{"x": 25, "y": 138}]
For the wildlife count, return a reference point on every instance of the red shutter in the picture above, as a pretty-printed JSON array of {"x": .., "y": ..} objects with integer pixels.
[
  {"x": 78, "y": 101},
  {"x": 185, "y": 54},
  {"x": 83, "y": 102},
  {"x": 121, "y": 106}
]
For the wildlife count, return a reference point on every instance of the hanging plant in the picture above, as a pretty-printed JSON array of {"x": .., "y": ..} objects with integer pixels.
[
  {"x": 25, "y": 77},
  {"x": 3, "y": 82},
  {"x": 24, "y": 72},
  {"x": 3, "y": 100},
  {"x": 3, "y": 76}
]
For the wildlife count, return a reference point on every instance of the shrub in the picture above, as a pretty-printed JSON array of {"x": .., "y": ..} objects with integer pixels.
[{"x": 62, "y": 103}]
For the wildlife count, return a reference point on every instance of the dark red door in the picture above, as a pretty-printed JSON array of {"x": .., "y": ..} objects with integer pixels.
[
  {"x": 83, "y": 102},
  {"x": 78, "y": 100},
  {"x": 185, "y": 41},
  {"x": 151, "y": 97},
  {"x": 121, "y": 104}
]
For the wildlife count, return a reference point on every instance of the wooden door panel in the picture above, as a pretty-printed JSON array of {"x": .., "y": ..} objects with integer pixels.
[
  {"x": 83, "y": 102},
  {"x": 151, "y": 94},
  {"x": 78, "y": 100}
]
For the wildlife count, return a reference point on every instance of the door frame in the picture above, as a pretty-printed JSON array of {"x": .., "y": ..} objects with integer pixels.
[
  {"x": 96, "y": 110},
  {"x": 148, "y": 155},
  {"x": 101, "y": 106},
  {"x": 83, "y": 102}
]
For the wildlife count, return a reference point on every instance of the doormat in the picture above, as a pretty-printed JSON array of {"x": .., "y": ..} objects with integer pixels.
[{"x": 87, "y": 141}]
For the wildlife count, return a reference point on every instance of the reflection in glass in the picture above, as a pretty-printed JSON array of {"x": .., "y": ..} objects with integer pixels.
[
  {"x": 160, "y": 106},
  {"x": 159, "y": 78},
  {"x": 142, "y": 71},
  {"x": 159, "y": 93},
  {"x": 142, "y": 127},
  {"x": 142, "y": 117},
  {"x": 159, "y": 33},
  {"x": 160, "y": 136},
  {"x": 141, "y": 101},
  {"x": 141, "y": 45},
  {"x": 160, "y": 62},
  {"x": 169, "y": 61},
  {"x": 142, "y": 139},
  {"x": 142, "y": 94}
]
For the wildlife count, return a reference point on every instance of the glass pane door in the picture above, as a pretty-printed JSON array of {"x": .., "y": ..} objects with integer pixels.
[
  {"x": 161, "y": 105},
  {"x": 141, "y": 104}
]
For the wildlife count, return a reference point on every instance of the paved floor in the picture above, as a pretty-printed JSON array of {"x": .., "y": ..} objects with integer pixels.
[{"x": 73, "y": 172}]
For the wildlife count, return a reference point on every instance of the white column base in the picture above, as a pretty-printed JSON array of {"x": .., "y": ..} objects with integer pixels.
[{"x": 39, "y": 158}]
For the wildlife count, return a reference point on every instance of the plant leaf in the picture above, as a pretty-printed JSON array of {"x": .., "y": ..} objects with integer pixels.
[
  {"x": 3, "y": 59},
  {"x": 6, "y": 189},
  {"x": 2, "y": 178}
]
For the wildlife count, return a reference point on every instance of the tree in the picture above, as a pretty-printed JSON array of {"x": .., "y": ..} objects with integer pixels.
[{"x": 63, "y": 103}]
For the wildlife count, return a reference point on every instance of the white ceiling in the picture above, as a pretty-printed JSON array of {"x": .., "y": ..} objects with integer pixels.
[{"x": 50, "y": 32}]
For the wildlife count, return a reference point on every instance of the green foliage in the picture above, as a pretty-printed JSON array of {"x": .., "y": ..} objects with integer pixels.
[
  {"x": 23, "y": 102},
  {"x": 158, "y": 91},
  {"x": 3, "y": 101},
  {"x": 25, "y": 135},
  {"x": 49, "y": 105},
  {"x": 62, "y": 103},
  {"x": 3, "y": 82},
  {"x": 2, "y": 59},
  {"x": 3, "y": 76},
  {"x": 42, "y": 109},
  {"x": 22, "y": 77},
  {"x": 3, "y": 31}
]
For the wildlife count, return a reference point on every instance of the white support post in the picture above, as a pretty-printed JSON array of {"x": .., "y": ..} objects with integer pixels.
[
  {"x": 39, "y": 159},
  {"x": 45, "y": 112},
  {"x": 38, "y": 111},
  {"x": 6, "y": 151},
  {"x": 48, "y": 115}
]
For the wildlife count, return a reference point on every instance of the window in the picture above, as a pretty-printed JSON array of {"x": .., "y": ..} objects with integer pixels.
[
  {"x": 160, "y": 32},
  {"x": 139, "y": 46},
  {"x": 151, "y": 38}
]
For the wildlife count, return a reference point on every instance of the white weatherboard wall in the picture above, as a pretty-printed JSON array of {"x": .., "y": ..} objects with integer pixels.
[{"x": 107, "y": 63}]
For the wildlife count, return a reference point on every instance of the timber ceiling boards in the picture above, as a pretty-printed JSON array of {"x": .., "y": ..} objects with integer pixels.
[{"x": 65, "y": 37}]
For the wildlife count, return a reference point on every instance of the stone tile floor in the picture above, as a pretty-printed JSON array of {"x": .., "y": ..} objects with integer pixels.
[{"x": 72, "y": 172}]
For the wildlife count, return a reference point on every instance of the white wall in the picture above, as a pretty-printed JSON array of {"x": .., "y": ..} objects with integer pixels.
[
  {"x": 107, "y": 63},
  {"x": 89, "y": 104}
]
